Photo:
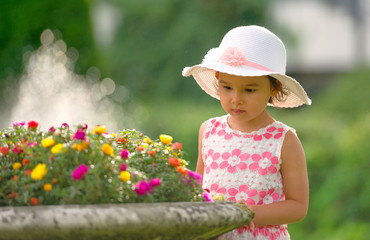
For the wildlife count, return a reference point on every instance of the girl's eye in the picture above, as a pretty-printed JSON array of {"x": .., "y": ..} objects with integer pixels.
[
  {"x": 250, "y": 90},
  {"x": 226, "y": 87}
]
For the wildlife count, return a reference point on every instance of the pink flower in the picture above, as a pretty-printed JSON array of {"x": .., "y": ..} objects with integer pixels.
[
  {"x": 80, "y": 172},
  {"x": 155, "y": 182},
  {"x": 207, "y": 197},
  {"x": 176, "y": 146},
  {"x": 65, "y": 125},
  {"x": 123, "y": 167},
  {"x": 52, "y": 129},
  {"x": 233, "y": 56},
  {"x": 195, "y": 176},
  {"x": 142, "y": 187},
  {"x": 79, "y": 134},
  {"x": 125, "y": 154},
  {"x": 18, "y": 149},
  {"x": 17, "y": 124}
]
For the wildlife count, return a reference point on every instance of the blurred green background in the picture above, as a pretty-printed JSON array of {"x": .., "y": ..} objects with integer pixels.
[{"x": 144, "y": 45}]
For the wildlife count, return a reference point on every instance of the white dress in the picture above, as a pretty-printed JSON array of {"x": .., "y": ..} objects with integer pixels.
[{"x": 245, "y": 166}]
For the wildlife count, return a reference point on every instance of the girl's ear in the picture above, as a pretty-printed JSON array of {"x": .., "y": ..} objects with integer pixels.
[
  {"x": 217, "y": 75},
  {"x": 276, "y": 89}
]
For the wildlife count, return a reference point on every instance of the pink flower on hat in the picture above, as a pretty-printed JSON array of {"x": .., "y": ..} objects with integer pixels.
[{"x": 233, "y": 56}]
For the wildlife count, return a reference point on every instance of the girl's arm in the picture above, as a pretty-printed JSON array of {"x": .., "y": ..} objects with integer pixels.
[
  {"x": 294, "y": 171},
  {"x": 200, "y": 163}
]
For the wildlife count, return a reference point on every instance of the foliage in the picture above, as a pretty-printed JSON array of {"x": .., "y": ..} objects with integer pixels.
[
  {"x": 156, "y": 41},
  {"x": 61, "y": 166},
  {"x": 23, "y": 21}
]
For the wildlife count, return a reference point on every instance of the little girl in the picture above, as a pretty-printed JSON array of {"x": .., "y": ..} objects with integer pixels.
[{"x": 247, "y": 155}]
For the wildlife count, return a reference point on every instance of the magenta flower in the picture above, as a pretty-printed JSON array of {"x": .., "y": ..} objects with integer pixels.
[
  {"x": 52, "y": 129},
  {"x": 123, "y": 167},
  {"x": 155, "y": 182},
  {"x": 65, "y": 125},
  {"x": 17, "y": 124},
  {"x": 17, "y": 149},
  {"x": 125, "y": 154},
  {"x": 79, "y": 135},
  {"x": 195, "y": 176},
  {"x": 207, "y": 197},
  {"x": 80, "y": 172},
  {"x": 143, "y": 187}
]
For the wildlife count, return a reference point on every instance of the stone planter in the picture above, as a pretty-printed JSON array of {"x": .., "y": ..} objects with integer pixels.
[{"x": 180, "y": 220}]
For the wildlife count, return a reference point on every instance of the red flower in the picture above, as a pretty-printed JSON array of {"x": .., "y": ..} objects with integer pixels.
[{"x": 32, "y": 125}]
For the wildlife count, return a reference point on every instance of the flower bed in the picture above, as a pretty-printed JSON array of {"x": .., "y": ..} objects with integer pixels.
[{"x": 64, "y": 166}]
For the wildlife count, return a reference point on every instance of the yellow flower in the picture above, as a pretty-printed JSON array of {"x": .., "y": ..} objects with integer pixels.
[
  {"x": 147, "y": 140},
  {"x": 39, "y": 172},
  {"x": 48, "y": 142},
  {"x": 81, "y": 146},
  {"x": 125, "y": 176},
  {"x": 74, "y": 146},
  {"x": 165, "y": 139},
  {"x": 17, "y": 165},
  {"x": 99, "y": 129},
  {"x": 107, "y": 149},
  {"x": 58, "y": 148},
  {"x": 48, "y": 187}
]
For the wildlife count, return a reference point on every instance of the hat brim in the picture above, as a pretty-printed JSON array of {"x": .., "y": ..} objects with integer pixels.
[{"x": 206, "y": 79}]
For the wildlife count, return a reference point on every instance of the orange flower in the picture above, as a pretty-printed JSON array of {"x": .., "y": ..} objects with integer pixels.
[
  {"x": 151, "y": 153},
  {"x": 25, "y": 161},
  {"x": 34, "y": 201},
  {"x": 4, "y": 150},
  {"x": 182, "y": 170},
  {"x": 48, "y": 187},
  {"x": 54, "y": 181},
  {"x": 174, "y": 162}
]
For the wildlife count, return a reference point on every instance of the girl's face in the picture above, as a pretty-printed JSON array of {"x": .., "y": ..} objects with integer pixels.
[{"x": 244, "y": 98}]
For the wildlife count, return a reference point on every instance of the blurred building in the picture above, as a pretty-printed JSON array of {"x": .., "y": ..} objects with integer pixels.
[{"x": 326, "y": 37}]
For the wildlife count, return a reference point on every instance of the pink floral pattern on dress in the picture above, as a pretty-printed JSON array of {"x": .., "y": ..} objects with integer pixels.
[
  {"x": 239, "y": 194},
  {"x": 234, "y": 160},
  {"x": 268, "y": 197},
  {"x": 216, "y": 189},
  {"x": 245, "y": 166},
  {"x": 264, "y": 163}
]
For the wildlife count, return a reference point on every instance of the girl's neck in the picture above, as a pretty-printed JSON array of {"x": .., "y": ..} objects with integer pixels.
[{"x": 252, "y": 125}]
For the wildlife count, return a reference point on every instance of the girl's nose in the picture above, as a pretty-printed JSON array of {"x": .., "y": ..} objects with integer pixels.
[{"x": 237, "y": 98}]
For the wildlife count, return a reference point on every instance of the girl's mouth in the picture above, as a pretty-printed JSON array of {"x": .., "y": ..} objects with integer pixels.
[{"x": 238, "y": 111}]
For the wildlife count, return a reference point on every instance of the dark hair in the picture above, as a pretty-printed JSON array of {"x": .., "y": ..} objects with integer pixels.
[{"x": 282, "y": 92}]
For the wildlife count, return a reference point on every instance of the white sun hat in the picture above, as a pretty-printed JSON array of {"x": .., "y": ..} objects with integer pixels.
[{"x": 248, "y": 51}]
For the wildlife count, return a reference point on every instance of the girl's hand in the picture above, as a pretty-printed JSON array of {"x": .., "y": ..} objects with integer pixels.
[{"x": 251, "y": 224}]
